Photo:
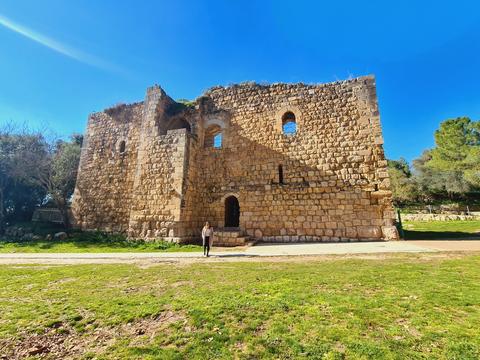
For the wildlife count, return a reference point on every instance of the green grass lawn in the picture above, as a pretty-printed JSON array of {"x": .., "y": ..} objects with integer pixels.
[
  {"x": 79, "y": 242},
  {"x": 402, "y": 307},
  {"x": 431, "y": 230},
  {"x": 72, "y": 246}
]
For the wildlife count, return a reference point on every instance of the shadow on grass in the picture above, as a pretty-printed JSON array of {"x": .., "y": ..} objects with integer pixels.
[{"x": 440, "y": 235}]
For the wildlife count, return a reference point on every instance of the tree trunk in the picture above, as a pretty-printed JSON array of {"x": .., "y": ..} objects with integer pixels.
[
  {"x": 62, "y": 207},
  {"x": 66, "y": 220},
  {"x": 64, "y": 211}
]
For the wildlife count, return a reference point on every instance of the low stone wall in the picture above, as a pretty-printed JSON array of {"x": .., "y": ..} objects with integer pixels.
[
  {"x": 438, "y": 217},
  {"x": 52, "y": 215}
]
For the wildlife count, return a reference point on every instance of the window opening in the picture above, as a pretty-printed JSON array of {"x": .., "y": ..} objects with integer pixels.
[
  {"x": 213, "y": 137},
  {"x": 179, "y": 124},
  {"x": 122, "y": 147},
  {"x": 217, "y": 141},
  {"x": 289, "y": 124}
]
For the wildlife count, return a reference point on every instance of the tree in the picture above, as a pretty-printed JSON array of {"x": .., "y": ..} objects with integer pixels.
[
  {"x": 21, "y": 200},
  {"x": 20, "y": 151},
  {"x": 403, "y": 186},
  {"x": 58, "y": 174},
  {"x": 439, "y": 184},
  {"x": 457, "y": 154},
  {"x": 64, "y": 171},
  {"x": 33, "y": 170}
]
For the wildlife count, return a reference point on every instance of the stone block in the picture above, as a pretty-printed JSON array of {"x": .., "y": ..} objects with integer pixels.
[
  {"x": 369, "y": 232},
  {"x": 390, "y": 233}
]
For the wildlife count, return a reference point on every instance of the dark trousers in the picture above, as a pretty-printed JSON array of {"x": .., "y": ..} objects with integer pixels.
[{"x": 206, "y": 245}]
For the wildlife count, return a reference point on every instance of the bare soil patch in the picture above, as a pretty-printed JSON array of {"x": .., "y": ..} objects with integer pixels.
[{"x": 61, "y": 341}]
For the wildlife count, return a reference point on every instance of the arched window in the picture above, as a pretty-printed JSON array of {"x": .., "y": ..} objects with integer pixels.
[
  {"x": 289, "y": 124},
  {"x": 280, "y": 174},
  {"x": 213, "y": 137},
  {"x": 122, "y": 147}
]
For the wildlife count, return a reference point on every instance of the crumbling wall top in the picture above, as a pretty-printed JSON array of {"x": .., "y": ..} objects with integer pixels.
[{"x": 251, "y": 85}]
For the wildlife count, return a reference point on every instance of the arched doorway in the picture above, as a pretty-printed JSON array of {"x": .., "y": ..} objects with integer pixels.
[{"x": 232, "y": 212}]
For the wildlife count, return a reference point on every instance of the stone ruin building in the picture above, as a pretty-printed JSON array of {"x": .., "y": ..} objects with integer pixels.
[{"x": 276, "y": 163}]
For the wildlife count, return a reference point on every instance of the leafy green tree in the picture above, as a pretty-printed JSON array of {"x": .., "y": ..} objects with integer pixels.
[
  {"x": 402, "y": 184},
  {"x": 21, "y": 200},
  {"x": 401, "y": 165},
  {"x": 457, "y": 154},
  {"x": 436, "y": 184},
  {"x": 19, "y": 153},
  {"x": 64, "y": 175},
  {"x": 58, "y": 173},
  {"x": 33, "y": 170}
]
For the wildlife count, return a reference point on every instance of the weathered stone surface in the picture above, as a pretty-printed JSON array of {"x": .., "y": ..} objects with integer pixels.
[
  {"x": 390, "y": 233},
  {"x": 149, "y": 170},
  {"x": 223, "y": 237},
  {"x": 369, "y": 232}
]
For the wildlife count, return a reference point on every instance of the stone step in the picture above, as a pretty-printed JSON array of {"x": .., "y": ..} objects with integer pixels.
[
  {"x": 238, "y": 241},
  {"x": 230, "y": 237},
  {"x": 229, "y": 232}
]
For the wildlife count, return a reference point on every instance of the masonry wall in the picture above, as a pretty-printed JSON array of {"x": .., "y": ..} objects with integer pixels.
[
  {"x": 167, "y": 183},
  {"x": 102, "y": 196},
  {"x": 138, "y": 188},
  {"x": 157, "y": 193},
  {"x": 192, "y": 217},
  {"x": 336, "y": 183}
]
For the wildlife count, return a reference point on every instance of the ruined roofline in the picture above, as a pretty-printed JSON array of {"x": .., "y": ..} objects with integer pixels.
[
  {"x": 253, "y": 84},
  {"x": 119, "y": 107},
  {"x": 122, "y": 106}
]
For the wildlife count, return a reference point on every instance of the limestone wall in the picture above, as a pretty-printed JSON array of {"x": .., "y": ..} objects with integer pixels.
[
  {"x": 439, "y": 217},
  {"x": 335, "y": 177},
  {"x": 158, "y": 191},
  {"x": 102, "y": 196},
  {"x": 136, "y": 187},
  {"x": 167, "y": 183}
]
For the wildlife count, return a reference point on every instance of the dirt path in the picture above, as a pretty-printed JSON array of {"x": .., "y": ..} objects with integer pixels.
[{"x": 264, "y": 252}]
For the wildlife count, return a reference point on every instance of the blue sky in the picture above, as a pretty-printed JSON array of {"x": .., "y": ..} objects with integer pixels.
[{"x": 61, "y": 60}]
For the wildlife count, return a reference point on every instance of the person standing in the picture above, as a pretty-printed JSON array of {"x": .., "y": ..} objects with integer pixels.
[{"x": 207, "y": 237}]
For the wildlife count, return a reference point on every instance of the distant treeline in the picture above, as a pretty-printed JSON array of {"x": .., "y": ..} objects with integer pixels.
[
  {"x": 35, "y": 171},
  {"x": 449, "y": 172}
]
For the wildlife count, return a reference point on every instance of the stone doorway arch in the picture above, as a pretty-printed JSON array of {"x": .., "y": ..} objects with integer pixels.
[{"x": 232, "y": 211}]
